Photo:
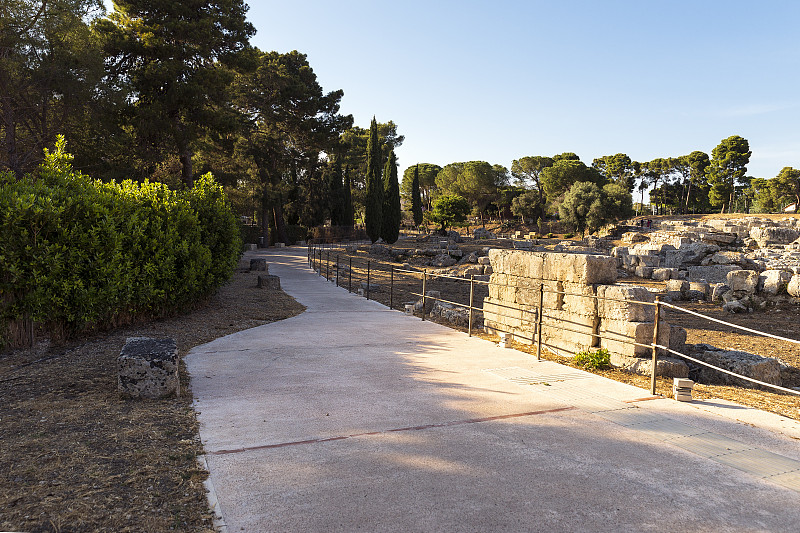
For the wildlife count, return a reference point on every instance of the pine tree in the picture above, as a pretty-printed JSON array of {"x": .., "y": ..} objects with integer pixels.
[
  {"x": 416, "y": 199},
  {"x": 374, "y": 200},
  {"x": 390, "y": 227}
]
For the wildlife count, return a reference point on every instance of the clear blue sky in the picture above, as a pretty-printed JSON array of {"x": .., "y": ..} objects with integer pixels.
[{"x": 495, "y": 81}]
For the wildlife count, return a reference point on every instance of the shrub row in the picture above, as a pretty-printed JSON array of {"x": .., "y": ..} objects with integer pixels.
[{"x": 77, "y": 253}]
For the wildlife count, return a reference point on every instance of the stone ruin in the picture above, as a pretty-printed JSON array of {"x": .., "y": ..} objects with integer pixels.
[
  {"x": 592, "y": 305},
  {"x": 740, "y": 263}
]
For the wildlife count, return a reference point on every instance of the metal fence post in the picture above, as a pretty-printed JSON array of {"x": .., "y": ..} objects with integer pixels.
[
  {"x": 539, "y": 323},
  {"x": 655, "y": 350},
  {"x": 391, "y": 285},
  {"x": 337, "y": 270},
  {"x": 328, "y": 266},
  {"x": 368, "y": 272},
  {"x": 350, "y": 277},
  {"x": 424, "y": 281},
  {"x": 471, "y": 300}
]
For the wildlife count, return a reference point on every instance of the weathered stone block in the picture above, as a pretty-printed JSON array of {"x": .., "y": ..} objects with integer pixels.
[
  {"x": 644, "y": 272},
  {"x": 665, "y": 366},
  {"x": 717, "y": 290},
  {"x": 269, "y": 282},
  {"x": 766, "y": 236},
  {"x": 663, "y": 274},
  {"x": 764, "y": 369},
  {"x": 677, "y": 285},
  {"x": 650, "y": 260},
  {"x": 148, "y": 368},
  {"x": 711, "y": 274},
  {"x": 618, "y": 302},
  {"x": 774, "y": 282},
  {"x": 259, "y": 265},
  {"x": 794, "y": 286},
  {"x": 743, "y": 280},
  {"x": 618, "y": 336},
  {"x": 579, "y": 299}
]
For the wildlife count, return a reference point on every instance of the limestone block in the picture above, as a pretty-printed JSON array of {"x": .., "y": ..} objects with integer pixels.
[
  {"x": 743, "y": 280},
  {"x": 665, "y": 366},
  {"x": 644, "y": 272},
  {"x": 528, "y": 294},
  {"x": 717, "y": 290},
  {"x": 794, "y": 286},
  {"x": 586, "y": 269},
  {"x": 711, "y": 274},
  {"x": 677, "y": 285},
  {"x": 774, "y": 282},
  {"x": 488, "y": 269},
  {"x": 475, "y": 270},
  {"x": 728, "y": 258},
  {"x": 766, "y": 236},
  {"x": 618, "y": 336},
  {"x": 259, "y": 265},
  {"x": 663, "y": 274},
  {"x": 650, "y": 260},
  {"x": 618, "y": 302},
  {"x": 766, "y": 369},
  {"x": 484, "y": 261},
  {"x": 148, "y": 368},
  {"x": 269, "y": 282},
  {"x": 579, "y": 299},
  {"x": 734, "y": 306},
  {"x": 674, "y": 258}
]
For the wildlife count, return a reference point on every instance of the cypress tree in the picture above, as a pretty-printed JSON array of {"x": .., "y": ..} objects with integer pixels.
[
  {"x": 416, "y": 199},
  {"x": 390, "y": 227},
  {"x": 336, "y": 197},
  {"x": 374, "y": 200},
  {"x": 347, "y": 199}
]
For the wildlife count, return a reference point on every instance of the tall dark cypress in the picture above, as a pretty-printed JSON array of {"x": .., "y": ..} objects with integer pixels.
[
  {"x": 390, "y": 228},
  {"x": 336, "y": 197},
  {"x": 374, "y": 201},
  {"x": 347, "y": 199},
  {"x": 416, "y": 198}
]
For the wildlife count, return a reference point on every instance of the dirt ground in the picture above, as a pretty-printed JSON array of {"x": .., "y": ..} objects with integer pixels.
[{"x": 75, "y": 456}]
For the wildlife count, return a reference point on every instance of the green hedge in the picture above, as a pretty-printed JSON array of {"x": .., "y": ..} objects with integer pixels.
[{"x": 77, "y": 253}]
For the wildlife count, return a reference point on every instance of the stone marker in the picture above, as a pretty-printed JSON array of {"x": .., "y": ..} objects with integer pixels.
[
  {"x": 148, "y": 368},
  {"x": 259, "y": 265},
  {"x": 269, "y": 282}
]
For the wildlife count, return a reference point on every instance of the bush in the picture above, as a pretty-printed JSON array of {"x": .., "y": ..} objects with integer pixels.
[
  {"x": 77, "y": 253},
  {"x": 597, "y": 360},
  {"x": 569, "y": 235}
]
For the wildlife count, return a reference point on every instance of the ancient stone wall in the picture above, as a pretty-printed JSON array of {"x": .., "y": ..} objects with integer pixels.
[{"x": 593, "y": 305}]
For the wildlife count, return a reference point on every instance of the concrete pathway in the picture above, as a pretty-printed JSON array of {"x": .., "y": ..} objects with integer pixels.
[{"x": 353, "y": 417}]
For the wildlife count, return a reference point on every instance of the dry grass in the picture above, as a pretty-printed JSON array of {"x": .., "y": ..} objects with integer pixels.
[{"x": 75, "y": 456}]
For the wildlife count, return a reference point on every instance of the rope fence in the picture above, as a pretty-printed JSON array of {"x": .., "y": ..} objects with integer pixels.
[{"x": 326, "y": 260}]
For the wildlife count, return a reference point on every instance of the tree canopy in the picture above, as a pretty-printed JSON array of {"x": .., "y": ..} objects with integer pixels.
[
  {"x": 475, "y": 181},
  {"x": 727, "y": 169},
  {"x": 449, "y": 209}
]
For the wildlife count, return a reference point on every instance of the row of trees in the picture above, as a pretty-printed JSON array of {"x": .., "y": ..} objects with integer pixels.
[
  {"x": 168, "y": 91},
  {"x": 538, "y": 186}
]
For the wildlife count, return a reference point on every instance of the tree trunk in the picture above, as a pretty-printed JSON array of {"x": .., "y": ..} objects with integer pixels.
[
  {"x": 688, "y": 192},
  {"x": 184, "y": 153},
  {"x": 11, "y": 137},
  {"x": 280, "y": 225}
]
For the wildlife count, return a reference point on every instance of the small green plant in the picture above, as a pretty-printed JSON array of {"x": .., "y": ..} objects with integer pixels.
[
  {"x": 569, "y": 235},
  {"x": 549, "y": 235},
  {"x": 597, "y": 360}
]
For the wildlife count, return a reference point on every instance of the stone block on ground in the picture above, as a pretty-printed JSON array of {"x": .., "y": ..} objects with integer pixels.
[
  {"x": 774, "y": 282},
  {"x": 711, "y": 274},
  {"x": 429, "y": 301},
  {"x": 664, "y": 274},
  {"x": 259, "y": 265},
  {"x": 766, "y": 369},
  {"x": 619, "y": 336},
  {"x": 794, "y": 286},
  {"x": 665, "y": 366},
  {"x": 677, "y": 288},
  {"x": 718, "y": 290},
  {"x": 148, "y": 368},
  {"x": 734, "y": 307},
  {"x": 643, "y": 272},
  {"x": 458, "y": 316},
  {"x": 743, "y": 280},
  {"x": 269, "y": 282}
]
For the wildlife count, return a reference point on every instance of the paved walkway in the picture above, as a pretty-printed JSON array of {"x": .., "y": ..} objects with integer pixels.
[{"x": 352, "y": 417}]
